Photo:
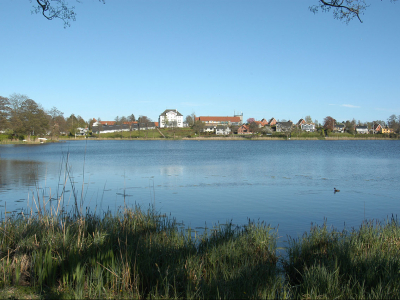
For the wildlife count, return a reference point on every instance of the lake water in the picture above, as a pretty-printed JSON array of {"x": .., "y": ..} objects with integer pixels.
[{"x": 287, "y": 184}]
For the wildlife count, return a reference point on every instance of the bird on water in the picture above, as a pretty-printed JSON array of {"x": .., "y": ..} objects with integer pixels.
[{"x": 335, "y": 190}]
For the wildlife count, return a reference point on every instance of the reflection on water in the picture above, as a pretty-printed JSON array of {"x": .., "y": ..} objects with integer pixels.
[
  {"x": 17, "y": 173},
  {"x": 171, "y": 170}
]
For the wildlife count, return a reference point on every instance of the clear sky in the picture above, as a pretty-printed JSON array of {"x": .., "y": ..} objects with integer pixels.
[{"x": 265, "y": 58}]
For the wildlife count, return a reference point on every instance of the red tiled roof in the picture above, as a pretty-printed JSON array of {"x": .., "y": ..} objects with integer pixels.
[
  {"x": 107, "y": 122},
  {"x": 219, "y": 119},
  {"x": 262, "y": 123}
]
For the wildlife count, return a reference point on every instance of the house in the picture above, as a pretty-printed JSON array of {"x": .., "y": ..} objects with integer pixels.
[
  {"x": 387, "y": 130},
  {"x": 81, "y": 131},
  {"x": 111, "y": 128},
  {"x": 301, "y": 122},
  {"x": 284, "y": 126},
  {"x": 222, "y": 130},
  {"x": 215, "y": 120},
  {"x": 362, "y": 129},
  {"x": 208, "y": 128},
  {"x": 310, "y": 127},
  {"x": 244, "y": 129},
  {"x": 376, "y": 128},
  {"x": 261, "y": 123},
  {"x": 272, "y": 122},
  {"x": 170, "y": 118},
  {"x": 339, "y": 128}
]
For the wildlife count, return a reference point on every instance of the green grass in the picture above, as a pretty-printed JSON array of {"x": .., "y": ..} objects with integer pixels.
[
  {"x": 137, "y": 253},
  {"x": 363, "y": 263}
]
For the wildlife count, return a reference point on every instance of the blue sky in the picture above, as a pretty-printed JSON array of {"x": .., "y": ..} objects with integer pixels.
[{"x": 265, "y": 58}]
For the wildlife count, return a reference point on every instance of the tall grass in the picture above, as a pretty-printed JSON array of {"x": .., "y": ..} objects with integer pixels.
[
  {"x": 137, "y": 254},
  {"x": 362, "y": 263}
]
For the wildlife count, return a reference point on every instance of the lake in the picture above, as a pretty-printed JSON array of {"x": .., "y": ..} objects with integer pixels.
[{"x": 288, "y": 184}]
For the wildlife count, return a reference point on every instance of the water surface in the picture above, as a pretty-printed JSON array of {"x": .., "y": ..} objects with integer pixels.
[{"x": 284, "y": 183}]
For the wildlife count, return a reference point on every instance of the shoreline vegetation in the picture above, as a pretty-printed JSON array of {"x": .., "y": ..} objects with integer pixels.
[
  {"x": 140, "y": 254},
  {"x": 188, "y": 134}
]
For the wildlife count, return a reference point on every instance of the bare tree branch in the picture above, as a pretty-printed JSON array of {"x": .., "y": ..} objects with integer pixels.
[
  {"x": 344, "y": 10},
  {"x": 56, "y": 9}
]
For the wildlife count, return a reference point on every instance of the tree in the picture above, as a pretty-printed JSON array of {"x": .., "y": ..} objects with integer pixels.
[
  {"x": 198, "y": 126},
  {"x": 250, "y": 120},
  {"x": 4, "y": 112},
  {"x": 350, "y": 126},
  {"x": 189, "y": 120},
  {"x": 234, "y": 128},
  {"x": 33, "y": 118},
  {"x": 329, "y": 123},
  {"x": 308, "y": 119},
  {"x": 56, "y": 121},
  {"x": 144, "y": 121},
  {"x": 132, "y": 118},
  {"x": 254, "y": 127},
  {"x": 56, "y": 9},
  {"x": 81, "y": 122},
  {"x": 26, "y": 116},
  {"x": 392, "y": 122},
  {"x": 118, "y": 122},
  {"x": 343, "y": 10},
  {"x": 72, "y": 124}
]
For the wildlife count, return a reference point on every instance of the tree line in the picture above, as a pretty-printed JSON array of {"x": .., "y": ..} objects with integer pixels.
[
  {"x": 392, "y": 122},
  {"x": 21, "y": 116}
]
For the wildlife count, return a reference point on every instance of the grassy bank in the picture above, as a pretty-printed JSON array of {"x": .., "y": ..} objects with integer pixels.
[
  {"x": 140, "y": 254},
  {"x": 135, "y": 254},
  {"x": 189, "y": 134}
]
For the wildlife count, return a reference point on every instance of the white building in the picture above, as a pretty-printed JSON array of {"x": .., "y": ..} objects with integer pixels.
[{"x": 170, "y": 118}]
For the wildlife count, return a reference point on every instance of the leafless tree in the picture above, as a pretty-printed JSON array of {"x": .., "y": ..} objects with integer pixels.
[
  {"x": 344, "y": 10},
  {"x": 56, "y": 9}
]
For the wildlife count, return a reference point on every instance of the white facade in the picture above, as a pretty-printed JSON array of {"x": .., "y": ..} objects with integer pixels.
[
  {"x": 308, "y": 127},
  {"x": 170, "y": 118}
]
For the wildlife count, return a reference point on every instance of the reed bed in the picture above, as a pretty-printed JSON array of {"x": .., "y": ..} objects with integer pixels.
[
  {"x": 356, "y": 264},
  {"x": 136, "y": 254}
]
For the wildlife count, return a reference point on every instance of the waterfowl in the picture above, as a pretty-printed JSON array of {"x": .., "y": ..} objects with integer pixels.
[{"x": 335, "y": 190}]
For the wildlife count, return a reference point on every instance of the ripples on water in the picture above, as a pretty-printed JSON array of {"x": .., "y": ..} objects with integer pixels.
[{"x": 285, "y": 183}]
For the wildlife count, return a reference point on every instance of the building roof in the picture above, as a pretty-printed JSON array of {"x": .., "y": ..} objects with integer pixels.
[
  {"x": 244, "y": 126},
  {"x": 289, "y": 123},
  {"x": 173, "y": 110},
  {"x": 218, "y": 119},
  {"x": 221, "y": 126},
  {"x": 263, "y": 122},
  {"x": 301, "y": 121},
  {"x": 113, "y": 123}
]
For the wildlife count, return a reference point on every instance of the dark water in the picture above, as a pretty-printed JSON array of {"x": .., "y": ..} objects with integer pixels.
[{"x": 284, "y": 183}]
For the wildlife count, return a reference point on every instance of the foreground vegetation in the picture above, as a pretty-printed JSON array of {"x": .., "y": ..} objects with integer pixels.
[{"x": 140, "y": 254}]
